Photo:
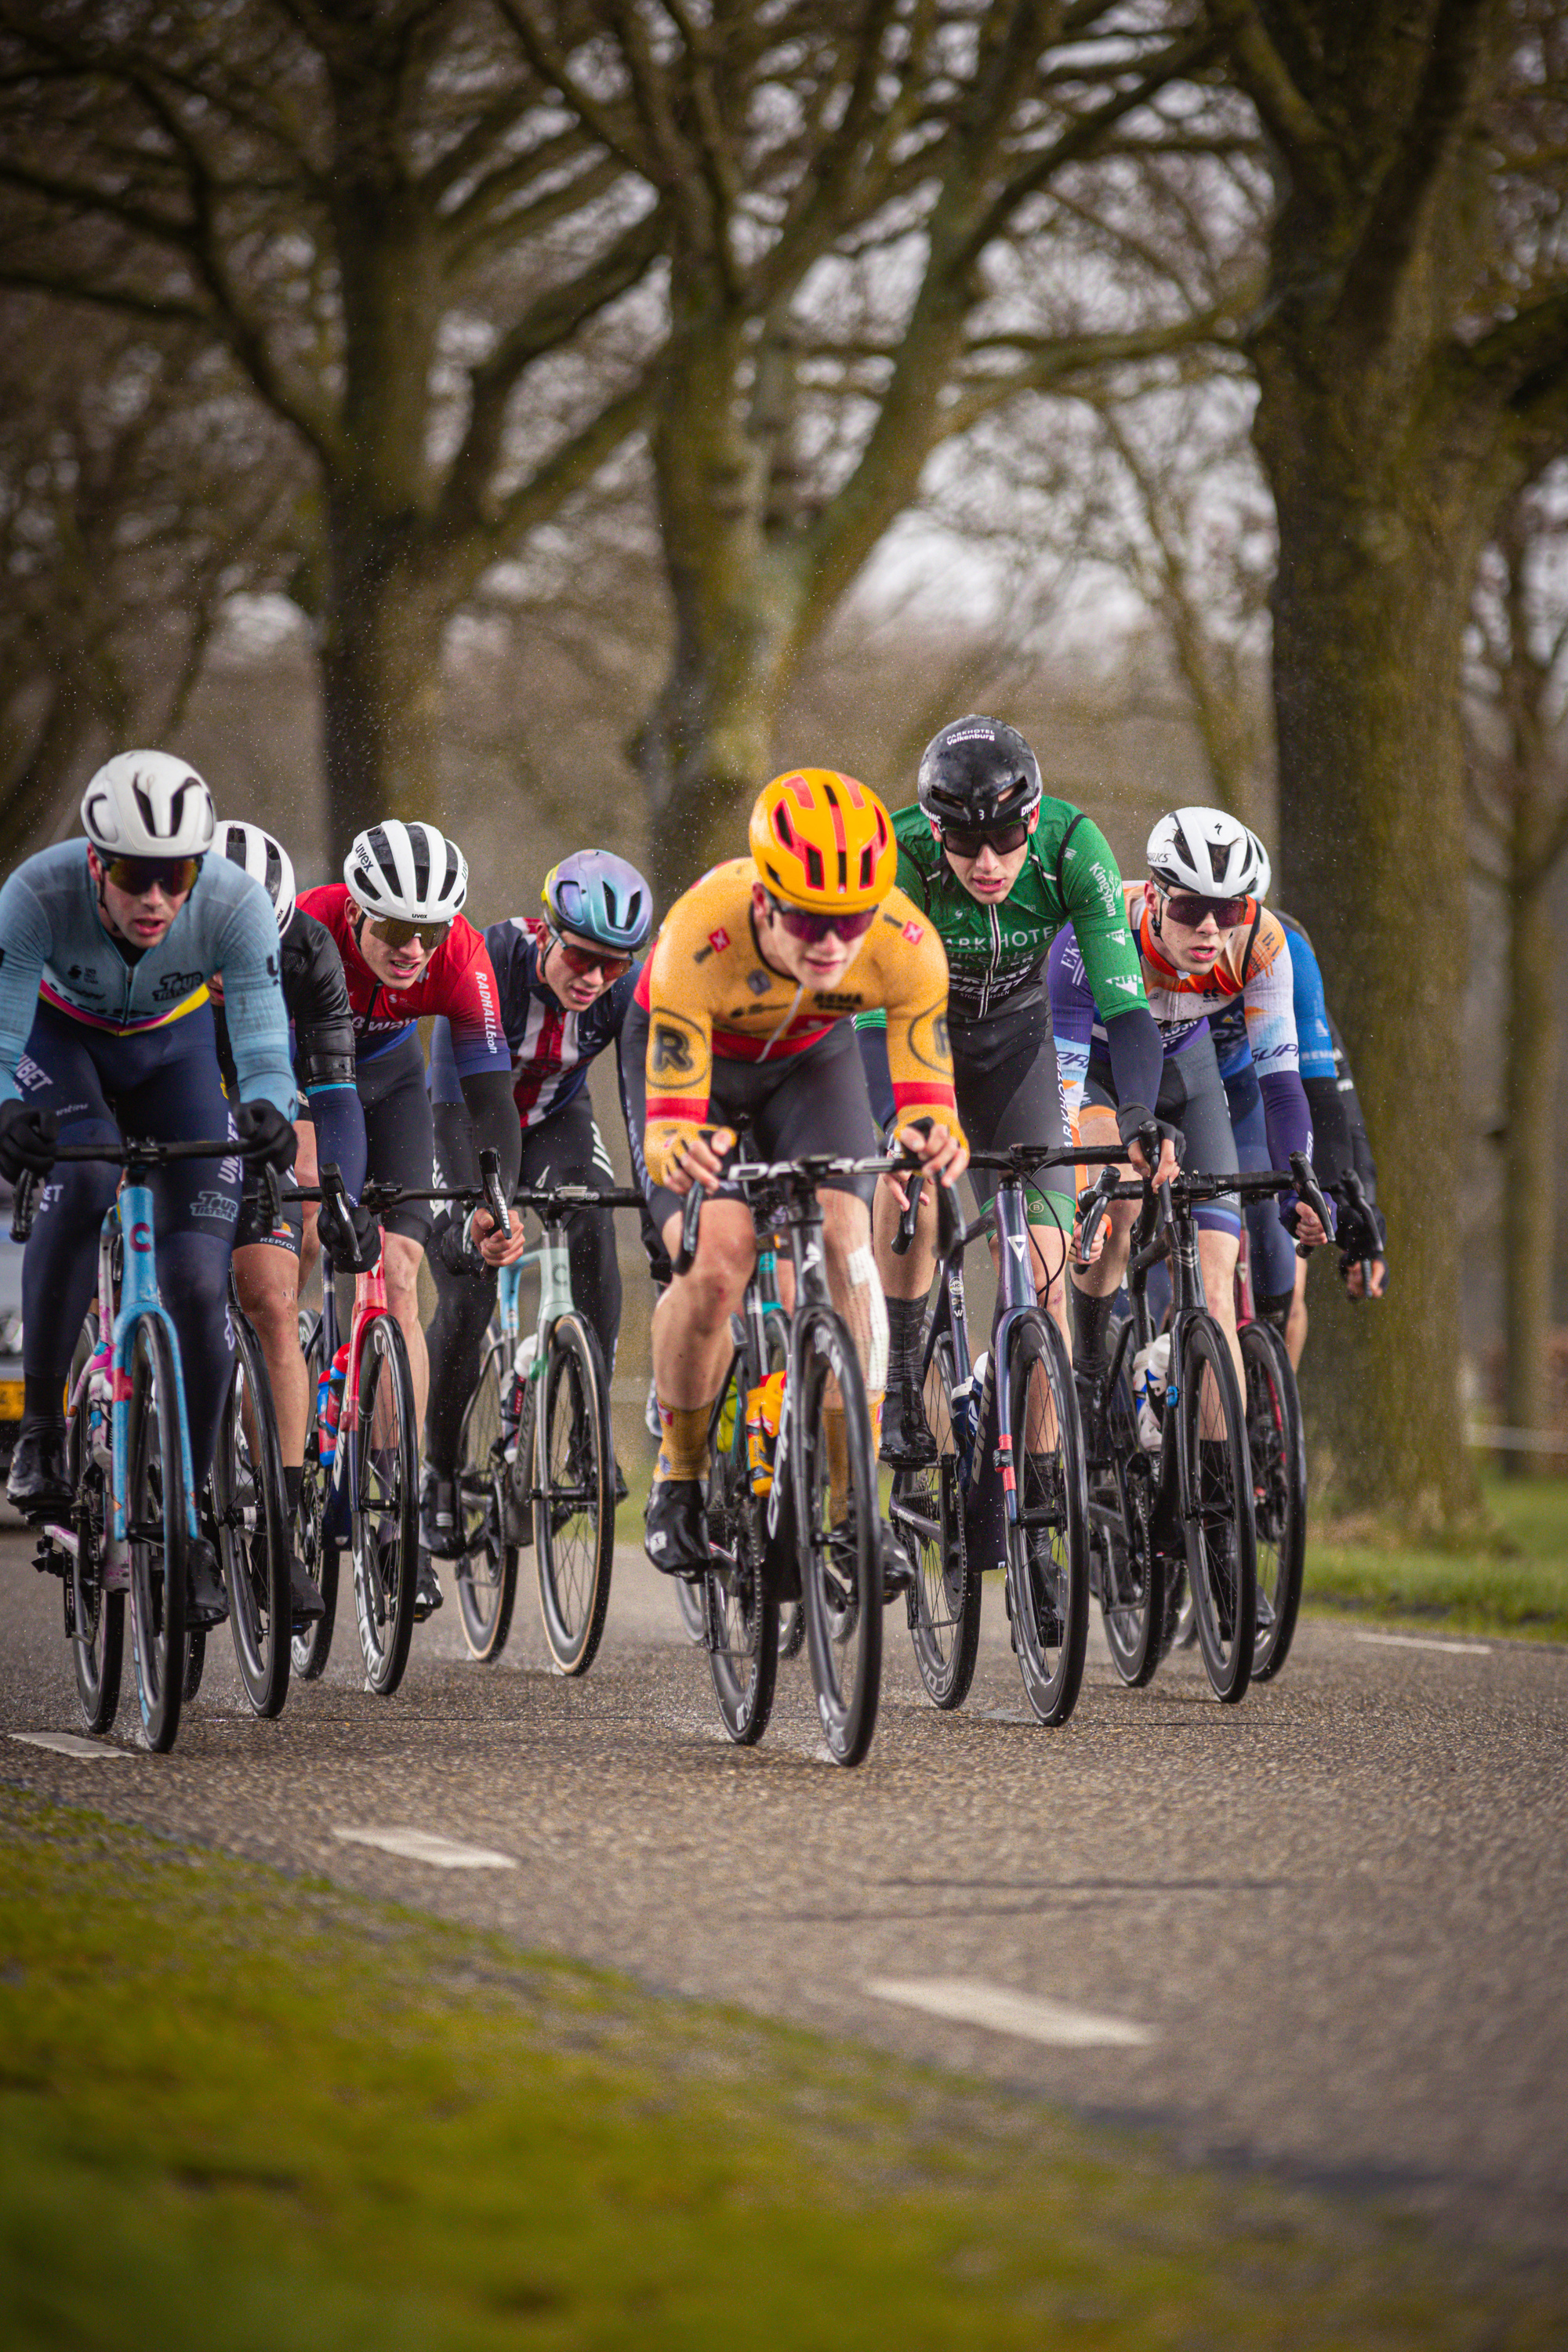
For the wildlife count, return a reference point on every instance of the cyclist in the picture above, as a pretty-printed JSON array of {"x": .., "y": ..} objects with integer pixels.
[
  {"x": 407, "y": 950},
  {"x": 329, "y": 1125},
  {"x": 1339, "y": 1142},
  {"x": 1206, "y": 939},
  {"x": 742, "y": 1009},
  {"x": 566, "y": 983},
  {"x": 997, "y": 868},
  {"x": 106, "y": 1030}
]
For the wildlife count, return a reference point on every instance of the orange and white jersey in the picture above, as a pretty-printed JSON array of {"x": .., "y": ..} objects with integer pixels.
[{"x": 1253, "y": 962}]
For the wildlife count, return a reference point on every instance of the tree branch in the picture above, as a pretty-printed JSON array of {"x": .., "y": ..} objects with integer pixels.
[
  {"x": 607, "y": 124},
  {"x": 1282, "y": 107}
]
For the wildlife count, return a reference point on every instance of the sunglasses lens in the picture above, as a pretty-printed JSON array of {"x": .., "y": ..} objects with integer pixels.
[
  {"x": 1192, "y": 910},
  {"x": 397, "y": 934},
  {"x": 136, "y": 875},
  {"x": 812, "y": 928},
  {"x": 584, "y": 961},
  {"x": 964, "y": 843}
]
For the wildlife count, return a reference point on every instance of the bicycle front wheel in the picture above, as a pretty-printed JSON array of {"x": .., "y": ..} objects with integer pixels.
[
  {"x": 252, "y": 1515},
  {"x": 1123, "y": 1483},
  {"x": 1278, "y": 1449},
  {"x": 156, "y": 1532},
  {"x": 833, "y": 1472},
  {"x": 95, "y": 1619},
  {"x": 927, "y": 1513},
  {"x": 1216, "y": 1504},
  {"x": 487, "y": 1569},
  {"x": 740, "y": 1608},
  {"x": 1048, "y": 1540},
  {"x": 310, "y": 1649},
  {"x": 574, "y": 1502},
  {"x": 385, "y": 1516}
]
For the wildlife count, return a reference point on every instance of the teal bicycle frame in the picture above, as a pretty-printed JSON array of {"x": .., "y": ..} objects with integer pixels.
[{"x": 131, "y": 1216}]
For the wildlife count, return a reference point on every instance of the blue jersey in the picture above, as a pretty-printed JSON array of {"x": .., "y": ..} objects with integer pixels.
[
  {"x": 551, "y": 1045},
  {"x": 1314, "y": 1032},
  {"x": 54, "y": 945}
]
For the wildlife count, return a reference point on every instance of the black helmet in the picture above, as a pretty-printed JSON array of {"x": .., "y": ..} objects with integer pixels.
[{"x": 979, "y": 773}]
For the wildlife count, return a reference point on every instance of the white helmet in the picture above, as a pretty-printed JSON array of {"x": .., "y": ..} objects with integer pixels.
[
  {"x": 408, "y": 871},
  {"x": 1265, "y": 871},
  {"x": 266, "y": 861},
  {"x": 1208, "y": 852},
  {"x": 148, "y": 805}
]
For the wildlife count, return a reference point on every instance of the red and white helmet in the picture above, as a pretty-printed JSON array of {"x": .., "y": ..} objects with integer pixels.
[{"x": 148, "y": 805}]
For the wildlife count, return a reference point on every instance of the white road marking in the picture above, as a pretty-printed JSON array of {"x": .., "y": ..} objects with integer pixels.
[
  {"x": 67, "y": 1743},
  {"x": 1423, "y": 1642},
  {"x": 423, "y": 1845},
  {"x": 1000, "y": 1715},
  {"x": 1002, "y": 2010}
]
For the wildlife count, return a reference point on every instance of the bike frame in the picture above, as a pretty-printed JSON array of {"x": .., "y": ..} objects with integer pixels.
[
  {"x": 370, "y": 1300},
  {"x": 130, "y": 1216}
]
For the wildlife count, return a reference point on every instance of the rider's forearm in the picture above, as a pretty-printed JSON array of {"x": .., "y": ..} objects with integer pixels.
[
  {"x": 1137, "y": 1056},
  {"x": 497, "y": 1129}
]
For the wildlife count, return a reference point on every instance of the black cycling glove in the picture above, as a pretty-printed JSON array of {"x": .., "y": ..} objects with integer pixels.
[
  {"x": 28, "y": 1139},
  {"x": 449, "y": 1242},
  {"x": 264, "y": 1134},
  {"x": 352, "y": 1242},
  {"x": 1132, "y": 1117}
]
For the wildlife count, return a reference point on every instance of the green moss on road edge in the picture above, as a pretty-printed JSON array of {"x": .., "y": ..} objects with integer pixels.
[{"x": 240, "y": 2110}]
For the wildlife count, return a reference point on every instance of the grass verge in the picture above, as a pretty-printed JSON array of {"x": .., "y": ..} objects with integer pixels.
[
  {"x": 1514, "y": 1581},
  {"x": 246, "y": 2111}
]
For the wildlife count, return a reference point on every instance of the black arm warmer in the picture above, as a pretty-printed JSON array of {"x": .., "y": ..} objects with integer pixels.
[
  {"x": 1330, "y": 1132},
  {"x": 497, "y": 1128},
  {"x": 1137, "y": 1056}
]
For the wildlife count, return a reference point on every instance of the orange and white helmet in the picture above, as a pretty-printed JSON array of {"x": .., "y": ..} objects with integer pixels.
[{"x": 822, "y": 840}]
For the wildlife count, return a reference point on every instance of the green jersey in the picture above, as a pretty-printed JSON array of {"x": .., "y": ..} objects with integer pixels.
[{"x": 996, "y": 954}]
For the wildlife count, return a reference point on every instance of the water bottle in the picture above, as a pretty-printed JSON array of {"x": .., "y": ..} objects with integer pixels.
[
  {"x": 330, "y": 1403},
  {"x": 764, "y": 1411},
  {"x": 1150, "y": 1370},
  {"x": 966, "y": 1400}
]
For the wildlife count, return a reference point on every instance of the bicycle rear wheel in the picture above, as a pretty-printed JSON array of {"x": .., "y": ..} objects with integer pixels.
[
  {"x": 741, "y": 1608},
  {"x": 833, "y": 1473},
  {"x": 487, "y": 1569},
  {"x": 1279, "y": 1450},
  {"x": 252, "y": 1519},
  {"x": 1048, "y": 1542},
  {"x": 1217, "y": 1478},
  {"x": 95, "y": 1619},
  {"x": 385, "y": 1520},
  {"x": 574, "y": 1504},
  {"x": 1123, "y": 1483},
  {"x": 310, "y": 1649},
  {"x": 927, "y": 1513},
  {"x": 156, "y": 1532}
]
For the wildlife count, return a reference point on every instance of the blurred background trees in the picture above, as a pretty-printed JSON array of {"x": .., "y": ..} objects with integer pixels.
[{"x": 551, "y": 415}]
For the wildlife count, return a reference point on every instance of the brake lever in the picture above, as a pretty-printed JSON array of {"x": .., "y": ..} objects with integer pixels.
[
  {"x": 1094, "y": 1203},
  {"x": 25, "y": 1207},
  {"x": 904, "y": 1237},
  {"x": 495, "y": 1199},
  {"x": 1308, "y": 1191},
  {"x": 690, "y": 1218}
]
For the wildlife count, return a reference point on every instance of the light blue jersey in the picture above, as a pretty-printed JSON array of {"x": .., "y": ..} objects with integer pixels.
[{"x": 54, "y": 946}]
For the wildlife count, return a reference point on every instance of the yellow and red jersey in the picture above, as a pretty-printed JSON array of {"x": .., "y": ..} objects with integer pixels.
[{"x": 710, "y": 996}]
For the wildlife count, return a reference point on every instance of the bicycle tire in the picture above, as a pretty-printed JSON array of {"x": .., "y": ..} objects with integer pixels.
[
  {"x": 1216, "y": 1484},
  {"x": 310, "y": 1649},
  {"x": 251, "y": 1512},
  {"x": 386, "y": 1506},
  {"x": 1277, "y": 1444},
  {"x": 841, "y": 1586},
  {"x": 95, "y": 1620},
  {"x": 927, "y": 1512},
  {"x": 156, "y": 1532},
  {"x": 740, "y": 1604},
  {"x": 573, "y": 1496},
  {"x": 1123, "y": 1482},
  {"x": 1048, "y": 1542},
  {"x": 486, "y": 1568}
]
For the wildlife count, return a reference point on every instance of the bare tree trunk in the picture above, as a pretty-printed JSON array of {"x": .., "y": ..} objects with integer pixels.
[
  {"x": 1529, "y": 1188},
  {"x": 1369, "y": 609},
  {"x": 379, "y": 664}
]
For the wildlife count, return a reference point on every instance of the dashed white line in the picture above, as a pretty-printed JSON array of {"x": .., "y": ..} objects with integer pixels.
[
  {"x": 1002, "y": 2010},
  {"x": 67, "y": 1743},
  {"x": 1424, "y": 1641},
  {"x": 423, "y": 1845}
]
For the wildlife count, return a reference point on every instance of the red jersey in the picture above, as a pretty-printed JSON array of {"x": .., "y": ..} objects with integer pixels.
[{"x": 458, "y": 981}]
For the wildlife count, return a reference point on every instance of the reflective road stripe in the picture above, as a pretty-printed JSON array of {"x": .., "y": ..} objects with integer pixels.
[
  {"x": 1002, "y": 2010},
  {"x": 423, "y": 1846},
  {"x": 67, "y": 1743}
]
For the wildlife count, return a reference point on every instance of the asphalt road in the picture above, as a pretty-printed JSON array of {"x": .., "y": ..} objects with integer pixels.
[{"x": 1325, "y": 1933}]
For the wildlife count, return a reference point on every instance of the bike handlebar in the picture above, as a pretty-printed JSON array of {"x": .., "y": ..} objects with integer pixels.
[{"x": 146, "y": 1151}]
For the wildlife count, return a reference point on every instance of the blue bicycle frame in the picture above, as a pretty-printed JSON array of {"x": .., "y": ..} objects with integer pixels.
[{"x": 130, "y": 1215}]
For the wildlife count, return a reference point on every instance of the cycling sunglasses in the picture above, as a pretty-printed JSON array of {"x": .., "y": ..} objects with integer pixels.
[
  {"x": 137, "y": 876},
  {"x": 582, "y": 961},
  {"x": 964, "y": 841},
  {"x": 812, "y": 928},
  {"x": 395, "y": 933},
  {"x": 1186, "y": 907}
]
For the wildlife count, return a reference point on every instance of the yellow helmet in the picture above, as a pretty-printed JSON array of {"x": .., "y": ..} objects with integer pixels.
[{"x": 821, "y": 840}]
